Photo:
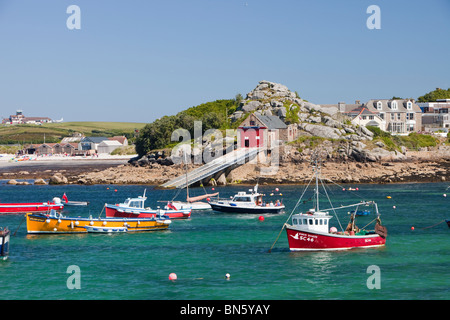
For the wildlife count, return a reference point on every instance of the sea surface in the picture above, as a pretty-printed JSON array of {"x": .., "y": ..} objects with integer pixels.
[{"x": 414, "y": 264}]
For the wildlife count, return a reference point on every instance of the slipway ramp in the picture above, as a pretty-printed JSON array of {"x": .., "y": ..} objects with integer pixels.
[{"x": 235, "y": 158}]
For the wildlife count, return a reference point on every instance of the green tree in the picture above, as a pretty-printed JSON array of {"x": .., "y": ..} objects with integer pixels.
[{"x": 434, "y": 95}]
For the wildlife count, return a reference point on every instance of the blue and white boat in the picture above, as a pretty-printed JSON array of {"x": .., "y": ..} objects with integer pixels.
[
  {"x": 4, "y": 243},
  {"x": 244, "y": 202}
]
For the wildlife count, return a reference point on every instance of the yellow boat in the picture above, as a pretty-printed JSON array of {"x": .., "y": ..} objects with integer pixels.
[{"x": 56, "y": 223}]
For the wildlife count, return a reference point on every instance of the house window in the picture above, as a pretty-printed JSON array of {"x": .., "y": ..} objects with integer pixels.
[
  {"x": 364, "y": 117},
  {"x": 379, "y": 105},
  {"x": 399, "y": 115},
  {"x": 392, "y": 116},
  {"x": 382, "y": 116},
  {"x": 409, "y": 105},
  {"x": 394, "y": 105},
  {"x": 371, "y": 117},
  {"x": 252, "y": 122},
  {"x": 247, "y": 143}
]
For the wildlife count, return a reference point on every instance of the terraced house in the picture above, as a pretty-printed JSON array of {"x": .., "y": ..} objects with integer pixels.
[{"x": 400, "y": 116}]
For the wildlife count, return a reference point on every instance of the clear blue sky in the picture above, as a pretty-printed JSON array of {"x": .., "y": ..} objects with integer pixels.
[{"x": 138, "y": 60}]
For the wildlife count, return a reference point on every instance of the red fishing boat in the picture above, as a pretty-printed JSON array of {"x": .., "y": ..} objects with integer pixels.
[
  {"x": 134, "y": 208},
  {"x": 311, "y": 230},
  {"x": 55, "y": 204}
]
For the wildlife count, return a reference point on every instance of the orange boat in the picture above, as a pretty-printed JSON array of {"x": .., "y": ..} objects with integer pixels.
[{"x": 56, "y": 223}]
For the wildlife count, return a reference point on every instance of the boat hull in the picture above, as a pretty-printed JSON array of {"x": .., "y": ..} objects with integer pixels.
[
  {"x": 191, "y": 205},
  {"x": 8, "y": 208},
  {"x": 249, "y": 210},
  {"x": 40, "y": 223},
  {"x": 301, "y": 240},
  {"x": 113, "y": 211}
]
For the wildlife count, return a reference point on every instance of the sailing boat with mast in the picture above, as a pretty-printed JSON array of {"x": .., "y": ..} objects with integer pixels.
[
  {"x": 193, "y": 203},
  {"x": 310, "y": 231}
]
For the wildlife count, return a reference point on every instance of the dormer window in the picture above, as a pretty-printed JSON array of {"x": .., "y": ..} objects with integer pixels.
[
  {"x": 394, "y": 105},
  {"x": 379, "y": 105},
  {"x": 409, "y": 105}
]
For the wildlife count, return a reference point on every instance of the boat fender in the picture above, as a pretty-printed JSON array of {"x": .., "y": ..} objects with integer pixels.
[
  {"x": 47, "y": 221},
  {"x": 77, "y": 223},
  {"x": 59, "y": 220},
  {"x": 71, "y": 224},
  {"x": 138, "y": 222},
  {"x": 91, "y": 223},
  {"x": 54, "y": 229},
  {"x": 104, "y": 223}
]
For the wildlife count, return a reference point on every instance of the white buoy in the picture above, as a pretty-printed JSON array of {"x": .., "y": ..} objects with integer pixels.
[{"x": 227, "y": 276}]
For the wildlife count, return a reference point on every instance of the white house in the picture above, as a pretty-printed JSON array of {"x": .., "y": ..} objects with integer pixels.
[
  {"x": 365, "y": 117},
  {"x": 108, "y": 146}
]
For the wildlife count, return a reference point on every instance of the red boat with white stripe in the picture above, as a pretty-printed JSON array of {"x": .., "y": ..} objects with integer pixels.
[
  {"x": 10, "y": 208},
  {"x": 134, "y": 208},
  {"x": 311, "y": 230}
]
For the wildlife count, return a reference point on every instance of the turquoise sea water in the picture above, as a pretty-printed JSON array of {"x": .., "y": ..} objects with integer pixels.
[{"x": 201, "y": 250}]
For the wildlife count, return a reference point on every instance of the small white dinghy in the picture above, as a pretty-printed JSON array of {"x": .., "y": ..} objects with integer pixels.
[{"x": 94, "y": 229}]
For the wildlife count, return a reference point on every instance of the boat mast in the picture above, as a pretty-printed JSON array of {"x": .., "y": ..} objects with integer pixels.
[{"x": 317, "y": 184}]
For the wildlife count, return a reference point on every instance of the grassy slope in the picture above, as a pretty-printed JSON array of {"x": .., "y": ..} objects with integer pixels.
[{"x": 54, "y": 132}]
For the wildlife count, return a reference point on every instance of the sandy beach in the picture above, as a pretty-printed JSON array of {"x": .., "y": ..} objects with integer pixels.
[{"x": 46, "y": 166}]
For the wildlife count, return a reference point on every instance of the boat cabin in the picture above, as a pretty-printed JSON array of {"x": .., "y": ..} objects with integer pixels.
[
  {"x": 245, "y": 197},
  {"x": 311, "y": 221},
  {"x": 137, "y": 203}
]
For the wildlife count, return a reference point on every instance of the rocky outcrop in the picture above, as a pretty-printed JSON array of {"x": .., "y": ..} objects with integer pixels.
[
  {"x": 159, "y": 157},
  {"x": 58, "y": 178},
  {"x": 270, "y": 98},
  {"x": 39, "y": 181}
]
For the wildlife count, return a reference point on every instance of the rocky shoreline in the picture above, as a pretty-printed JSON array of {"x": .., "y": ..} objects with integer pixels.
[{"x": 294, "y": 170}]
